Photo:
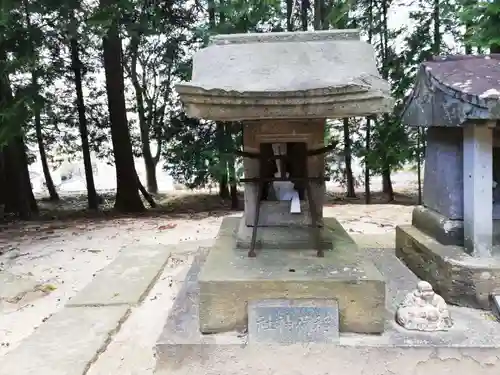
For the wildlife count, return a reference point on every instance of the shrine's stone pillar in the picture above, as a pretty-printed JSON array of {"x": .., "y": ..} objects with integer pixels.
[{"x": 478, "y": 188}]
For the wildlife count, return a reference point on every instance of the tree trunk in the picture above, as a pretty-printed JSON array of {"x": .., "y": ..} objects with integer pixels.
[
  {"x": 317, "y": 14},
  {"x": 386, "y": 170},
  {"x": 222, "y": 168},
  {"x": 151, "y": 181},
  {"x": 467, "y": 4},
  {"x": 495, "y": 48},
  {"x": 367, "y": 164},
  {"x": 211, "y": 15},
  {"x": 231, "y": 161},
  {"x": 18, "y": 199},
  {"x": 149, "y": 162},
  {"x": 368, "y": 197},
  {"x": 233, "y": 185},
  {"x": 437, "y": 37},
  {"x": 289, "y": 14},
  {"x": 43, "y": 157},
  {"x": 92, "y": 198},
  {"x": 387, "y": 184},
  {"x": 146, "y": 195},
  {"x": 304, "y": 10},
  {"x": 127, "y": 183},
  {"x": 351, "y": 193},
  {"x": 36, "y": 110},
  {"x": 3, "y": 182}
]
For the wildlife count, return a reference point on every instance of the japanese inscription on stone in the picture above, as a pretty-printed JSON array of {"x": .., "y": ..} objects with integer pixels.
[{"x": 293, "y": 321}]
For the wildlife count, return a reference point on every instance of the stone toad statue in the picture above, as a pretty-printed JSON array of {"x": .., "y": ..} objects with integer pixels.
[{"x": 424, "y": 310}]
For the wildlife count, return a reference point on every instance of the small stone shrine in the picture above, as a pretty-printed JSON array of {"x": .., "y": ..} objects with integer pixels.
[
  {"x": 282, "y": 87},
  {"x": 454, "y": 239}
]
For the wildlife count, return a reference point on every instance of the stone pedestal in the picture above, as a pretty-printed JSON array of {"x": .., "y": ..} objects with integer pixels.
[
  {"x": 459, "y": 278},
  {"x": 454, "y": 239},
  {"x": 229, "y": 279}
]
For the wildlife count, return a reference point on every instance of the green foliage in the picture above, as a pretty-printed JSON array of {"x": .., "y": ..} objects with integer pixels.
[
  {"x": 158, "y": 41},
  {"x": 484, "y": 20}
]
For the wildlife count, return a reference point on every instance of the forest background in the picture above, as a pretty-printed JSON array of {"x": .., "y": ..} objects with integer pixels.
[{"x": 92, "y": 82}]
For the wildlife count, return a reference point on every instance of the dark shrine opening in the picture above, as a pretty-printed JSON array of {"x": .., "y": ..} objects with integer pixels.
[{"x": 294, "y": 164}]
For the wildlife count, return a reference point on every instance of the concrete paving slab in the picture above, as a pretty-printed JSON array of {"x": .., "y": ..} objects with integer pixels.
[
  {"x": 127, "y": 279},
  {"x": 66, "y": 343},
  {"x": 14, "y": 285},
  {"x": 371, "y": 241}
]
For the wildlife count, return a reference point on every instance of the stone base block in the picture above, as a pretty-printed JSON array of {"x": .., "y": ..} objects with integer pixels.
[
  {"x": 278, "y": 213},
  {"x": 443, "y": 229},
  {"x": 229, "y": 279},
  {"x": 459, "y": 278},
  {"x": 283, "y": 237}
]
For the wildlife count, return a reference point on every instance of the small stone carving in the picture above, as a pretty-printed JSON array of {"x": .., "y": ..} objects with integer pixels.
[{"x": 424, "y": 310}]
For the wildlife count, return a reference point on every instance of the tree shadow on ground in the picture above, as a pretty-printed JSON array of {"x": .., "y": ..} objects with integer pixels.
[
  {"x": 406, "y": 198},
  {"x": 180, "y": 205}
]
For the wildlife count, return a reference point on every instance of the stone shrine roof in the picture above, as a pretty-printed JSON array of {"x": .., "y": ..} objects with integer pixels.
[
  {"x": 324, "y": 74},
  {"x": 452, "y": 90}
]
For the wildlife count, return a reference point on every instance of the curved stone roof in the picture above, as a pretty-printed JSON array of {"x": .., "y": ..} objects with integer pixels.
[
  {"x": 285, "y": 75},
  {"x": 452, "y": 90}
]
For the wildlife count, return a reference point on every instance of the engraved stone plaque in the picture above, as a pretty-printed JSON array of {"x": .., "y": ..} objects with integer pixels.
[{"x": 293, "y": 321}]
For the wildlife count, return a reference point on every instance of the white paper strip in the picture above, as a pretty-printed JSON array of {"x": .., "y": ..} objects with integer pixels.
[{"x": 295, "y": 204}]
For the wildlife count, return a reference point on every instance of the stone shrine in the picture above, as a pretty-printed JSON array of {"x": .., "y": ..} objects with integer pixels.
[
  {"x": 454, "y": 239},
  {"x": 282, "y": 87}
]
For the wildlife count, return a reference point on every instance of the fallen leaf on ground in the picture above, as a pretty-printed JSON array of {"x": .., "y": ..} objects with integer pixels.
[{"x": 47, "y": 288}]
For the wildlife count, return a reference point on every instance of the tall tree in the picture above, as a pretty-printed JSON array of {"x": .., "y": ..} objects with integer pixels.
[
  {"x": 17, "y": 195},
  {"x": 37, "y": 103},
  {"x": 322, "y": 21},
  {"x": 76, "y": 67},
  {"x": 127, "y": 181}
]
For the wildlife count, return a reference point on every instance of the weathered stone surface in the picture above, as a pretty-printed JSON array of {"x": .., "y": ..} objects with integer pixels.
[
  {"x": 444, "y": 230},
  {"x": 424, "y": 310},
  {"x": 336, "y": 35},
  {"x": 335, "y": 359},
  {"x": 453, "y": 90},
  {"x": 127, "y": 278},
  {"x": 443, "y": 176},
  {"x": 181, "y": 339},
  {"x": 16, "y": 288},
  {"x": 66, "y": 343},
  {"x": 298, "y": 237},
  {"x": 277, "y": 213},
  {"x": 229, "y": 279},
  {"x": 293, "y": 321},
  {"x": 289, "y": 75},
  {"x": 459, "y": 278}
]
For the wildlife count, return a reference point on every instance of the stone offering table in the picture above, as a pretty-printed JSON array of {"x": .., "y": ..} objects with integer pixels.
[
  {"x": 282, "y": 87},
  {"x": 454, "y": 238}
]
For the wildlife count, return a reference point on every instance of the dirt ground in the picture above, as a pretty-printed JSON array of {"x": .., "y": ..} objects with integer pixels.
[{"x": 44, "y": 264}]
